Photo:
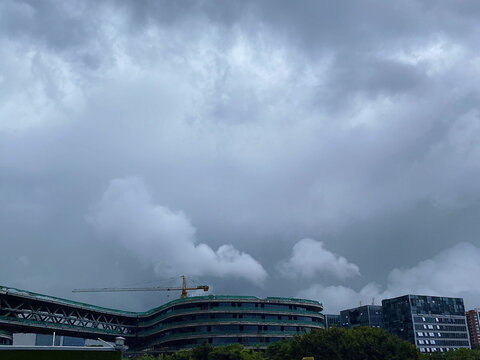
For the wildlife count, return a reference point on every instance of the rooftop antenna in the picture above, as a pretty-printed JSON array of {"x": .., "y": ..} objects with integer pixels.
[{"x": 373, "y": 301}]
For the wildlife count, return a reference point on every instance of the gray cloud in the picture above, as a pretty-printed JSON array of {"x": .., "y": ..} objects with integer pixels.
[
  {"x": 452, "y": 272},
  {"x": 266, "y": 123},
  {"x": 127, "y": 216}
]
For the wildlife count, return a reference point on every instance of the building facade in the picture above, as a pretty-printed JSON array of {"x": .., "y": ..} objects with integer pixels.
[
  {"x": 332, "y": 320},
  {"x": 473, "y": 322},
  {"x": 178, "y": 324},
  {"x": 222, "y": 320},
  {"x": 365, "y": 315},
  {"x": 48, "y": 340},
  {"x": 431, "y": 323}
]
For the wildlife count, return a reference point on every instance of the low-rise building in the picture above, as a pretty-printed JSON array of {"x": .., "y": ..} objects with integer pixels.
[
  {"x": 332, "y": 320},
  {"x": 365, "y": 315}
]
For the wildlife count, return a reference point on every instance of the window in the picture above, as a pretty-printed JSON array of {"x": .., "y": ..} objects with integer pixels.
[
  {"x": 432, "y": 334},
  {"x": 430, "y": 326},
  {"x": 421, "y": 342},
  {"x": 424, "y": 326},
  {"x": 420, "y": 333},
  {"x": 422, "y": 349},
  {"x": 423, "y": 319},
  {"x": 432, "y": 342}
]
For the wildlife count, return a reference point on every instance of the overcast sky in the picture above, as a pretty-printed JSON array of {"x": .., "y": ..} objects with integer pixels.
[{"x": 322, "y": 149}]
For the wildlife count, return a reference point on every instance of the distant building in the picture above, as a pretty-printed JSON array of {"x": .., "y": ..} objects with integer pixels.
[
  {"x": 24, "y": 339},
  {"x": 473, "y": 317},
  {"x": 332, "y": 320},
  {"x": 72, "y": 341},
  {"x": 431, "y": 323},
  {"x": 47, "y": 340},
  {"x": 365, "y": 315}
]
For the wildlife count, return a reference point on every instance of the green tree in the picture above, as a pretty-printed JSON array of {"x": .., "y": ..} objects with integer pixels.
[
  {"x": 340, "y": 344},
  {"x": 181, "y": 355},
  {"x": 201, "y": 352}
]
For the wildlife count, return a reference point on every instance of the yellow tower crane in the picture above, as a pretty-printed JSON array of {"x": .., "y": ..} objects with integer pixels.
[{"x": 184, "y": 289}]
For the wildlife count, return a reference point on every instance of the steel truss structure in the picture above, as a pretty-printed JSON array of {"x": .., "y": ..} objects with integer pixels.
[{"x": 27, "y": 312}]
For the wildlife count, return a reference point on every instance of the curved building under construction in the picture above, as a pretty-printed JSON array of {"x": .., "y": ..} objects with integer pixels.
[{"x": 181, "y": 323}]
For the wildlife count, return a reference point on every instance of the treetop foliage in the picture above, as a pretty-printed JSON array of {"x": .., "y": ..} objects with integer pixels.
[{"x": 362, "y": 343}]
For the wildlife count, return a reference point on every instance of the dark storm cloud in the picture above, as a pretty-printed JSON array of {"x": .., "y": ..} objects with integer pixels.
[
  {"x": 59, "y": 25},
  {"x": 274, "y": 129}
]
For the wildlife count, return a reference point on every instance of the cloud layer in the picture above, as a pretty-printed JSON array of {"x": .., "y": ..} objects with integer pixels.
[
  {"x": 452, "y": 272},
  {"x": 126, "y": 216},
  {"x": 310, "y": 257},
  {"x": 265, "y": 123}
]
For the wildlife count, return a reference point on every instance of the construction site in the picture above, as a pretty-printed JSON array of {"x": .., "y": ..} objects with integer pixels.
[{"x": 179, "y": 324}]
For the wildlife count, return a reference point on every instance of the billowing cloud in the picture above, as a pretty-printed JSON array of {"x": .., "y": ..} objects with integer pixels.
[
  {"x": 310, "y": 257},
  {"x": 127, "y": 216},
  {"x": 452, "y": 272},
  {"x": 264, "y": 122}
]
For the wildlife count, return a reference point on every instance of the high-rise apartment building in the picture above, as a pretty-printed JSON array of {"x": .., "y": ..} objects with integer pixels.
[
  {"x": 473, "y": 320},
  {"x": 432, "y": 323},
  {"x": 365, "y": 315}
]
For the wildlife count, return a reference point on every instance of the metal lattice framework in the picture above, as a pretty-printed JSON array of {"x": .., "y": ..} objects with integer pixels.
[{"x": 24, "y": 313}]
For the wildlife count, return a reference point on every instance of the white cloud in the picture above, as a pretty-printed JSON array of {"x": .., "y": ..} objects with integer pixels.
[
  {"x": 338, "y": 297},
  {"x": 309, "y": 257},
  {"x": 452, "y": 272},
  {"x": 127, "y": 216}
]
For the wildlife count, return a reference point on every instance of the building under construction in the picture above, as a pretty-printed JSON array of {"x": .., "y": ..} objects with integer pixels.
[{"x": 178, "y": 324}]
